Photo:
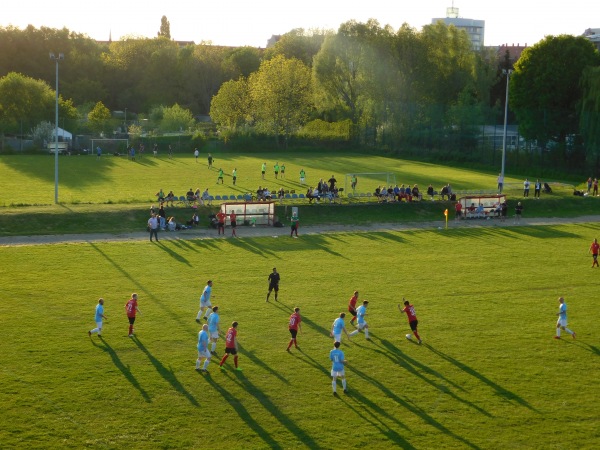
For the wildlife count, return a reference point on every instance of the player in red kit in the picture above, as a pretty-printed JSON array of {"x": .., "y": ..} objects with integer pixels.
[
  {"x": 131, "y": 308},
  {"x": 412, "y": 318},
  {"x": 231, "y": 346},
  {"x": 221, "y": 216},
  {"x": 594, "y": 250},
  {"x": 294, "y": 327},
  {"x": 352, "y": 306}
]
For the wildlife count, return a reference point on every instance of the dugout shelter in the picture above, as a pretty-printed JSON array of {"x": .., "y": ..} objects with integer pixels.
[
  {"x": 259, "y": 213},
  {"x": 489, "y": 202}
]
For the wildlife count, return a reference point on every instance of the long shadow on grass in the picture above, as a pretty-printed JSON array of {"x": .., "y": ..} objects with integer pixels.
[
  {"x": 252, "y": 357},
  {"x": 508, "y": 395},
  {"x": 305, "y": 319},
  {"x": 411, "y": 407},
  {"x": 167, "y": 374},
  {"x": 124, "y": 369},
  {"x": 304, "y": 357},
  {"x": 173, "y": 254},
  {"x": 277, "y": 413},
  {"x": 416, "y": 368},
  {"x": 244, "y": 414},
  {"x": 250, "y": 245}
]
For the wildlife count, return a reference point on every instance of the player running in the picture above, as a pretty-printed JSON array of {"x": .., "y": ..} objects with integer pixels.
[
  {"x": 203, "y": 352},
  {"x": 594, "y": 251},
  {"x": 213, "y": 328},
  {"x": 205, "y": 301},
  {"x": 412, "y": 318},
  {"x": 98, "y": 318},
  {"x": 338, "y": 361},
  {"x": 352, "y": 306},
  {"x": 361, "y": 312},
  {"x": 337, "y": 327},
  {"x": 131, "y": 308},
  {"x": 295, "y": 326},
  {"x": 561, "y": 323}
]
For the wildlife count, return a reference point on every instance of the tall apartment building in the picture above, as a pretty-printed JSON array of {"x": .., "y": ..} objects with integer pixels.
[{"x": 474, "y": 28}]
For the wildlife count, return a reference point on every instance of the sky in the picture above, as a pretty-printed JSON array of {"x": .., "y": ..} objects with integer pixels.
[{"x": 239, "y": 23}]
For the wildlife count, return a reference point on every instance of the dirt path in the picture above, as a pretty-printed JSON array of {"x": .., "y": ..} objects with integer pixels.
[{"x": 243, "y": 232}]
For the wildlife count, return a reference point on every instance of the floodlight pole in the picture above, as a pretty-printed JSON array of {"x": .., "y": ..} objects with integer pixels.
[
  {"x": 60, "y": 57},
  {"x": 506, "y": 72}
]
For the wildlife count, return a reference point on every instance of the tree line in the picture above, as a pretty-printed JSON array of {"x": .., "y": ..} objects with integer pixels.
[{"x": 415, "y": 92}]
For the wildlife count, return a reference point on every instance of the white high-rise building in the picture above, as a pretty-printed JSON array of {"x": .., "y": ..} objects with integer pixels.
[{"x": 474, "y": 28}]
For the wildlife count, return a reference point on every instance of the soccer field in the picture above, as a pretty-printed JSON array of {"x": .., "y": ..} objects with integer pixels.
[{"x": 488, "y": 375}]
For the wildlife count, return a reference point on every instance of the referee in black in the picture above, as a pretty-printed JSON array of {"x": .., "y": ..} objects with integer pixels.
[{"x": 273, "y": 283}]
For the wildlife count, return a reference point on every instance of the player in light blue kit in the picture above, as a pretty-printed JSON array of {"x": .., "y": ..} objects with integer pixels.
[
  {"x": 98, "y": 318},
  {"x": 337, "y": 327},
  {"x": 213, "y": 328},
  {"x": 203, "y": 352},
  {"x": 562, "y": 319},
  {"x": 338, "y": 362},
  {"x": 361, "y": 312},
  {"x": 205, "y": 301}
]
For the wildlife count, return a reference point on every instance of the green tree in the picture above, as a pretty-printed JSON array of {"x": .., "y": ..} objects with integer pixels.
[
  {"x": 299, "y": 44},
  {"x": 230, "y": 108},
  {"x": 165, "y": 28},
  {"x": 100, "y": 119},
  {"x": 545, "y": 88},
  {"x": 281, "y": 93},
  {"x": 242, "y": 61},
  {"x": 176, "y": 118},
  {"x": 590, "y": 114}
]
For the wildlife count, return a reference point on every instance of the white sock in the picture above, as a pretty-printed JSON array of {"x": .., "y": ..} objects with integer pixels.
[
  {"x": 95, "y": 330},
  {"x": 366, "y": 333},
  {"x": 206, "y": 313},
  {"x": 569, "y": 331},
  {"x": 214, "y": 346},
  {"x": 354, "y": 333},
  {"x": 558, "y": 332},
  {"x": 197, "y": 364},
  {"x": 344, "y": 383},
  {"x": 333, "y": 384},
  {"x": 199, "y": 315},
  {"x": 206, "y": 363}
]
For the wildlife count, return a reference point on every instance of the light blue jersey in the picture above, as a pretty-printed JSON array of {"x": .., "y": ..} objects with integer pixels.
[
  {"x": 99, "y": 312},
  {"x": 205, "y": 297},
  {"x": 213, "y": 322},
  {"x": 360, "y": 313},
  {"x": 337, "y": 358},
  {"x": 562, "y": 311},
  {"x": 338, "y": 325},
  {"x": 202, "y": 341}
]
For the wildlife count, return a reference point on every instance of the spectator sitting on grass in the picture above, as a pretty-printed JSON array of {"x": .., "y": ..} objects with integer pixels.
[
  {"x": 415, "y": 192},
  {"x": 190, "y": 195},
  {"x": 445, "y": 192}
]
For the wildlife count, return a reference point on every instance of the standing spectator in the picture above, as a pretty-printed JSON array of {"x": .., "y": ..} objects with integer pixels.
[
  {"x": 221, "y": 216},
  {"x": 99, "y": 154},
  {"x": 141, "y": 151},
  {"x": 294, "y": 226},
  {"x": 155, "y": 150},
  {"x": 503, "y": 211},
  {"x": 233, "y": 222},
  {"x": 196, "y": 154},
  {"x": 210, "y": 161},
  {"x": 412, "y": 318},
  {"x": 231, "y": 346},
  {"x": 537, "y": 188},
  {"x": 332, "y": 182},
  {"x": 352, "y": 306},
  {"x": 500, "y": 182},
  {"x": 206, "y": 197},
  {"x": 595, "y": 184},
  {"x": 205, "y": 301},
  {"x": 353, "y": 182},
  {"x": 338, "y": 361},
  {"x": 294, "y": 326},
  {"x": 458, "y": 209},
  {"x": 302, "y": 176},
  {"x": 361, "y": 312},
  {"x": 276, "y": 169},
  {"x": 518, "y": 212},
  {"x": 274, "y": 279},
  {"x": 131, "y": 308},
  {"x": 594, "y": 250},
  {"x": 561, "y": 323},
  {"x": 282, "y": 170},
  {"x": 234, "y": 175},
  {"x": 263, "y": 169},
  {"x": 203, "y": 352},
  {"x": 98, "y": 318},
  {"x": 162, "y": 217},
  {"x": 170, "y": 151},
  {"x": 213, "y": 328},
  {"x": 220, "y": 176},
  {"x": 337, "y": 327},
  {"x": 589, "y": 184},
  {"x": 132, "y": 153},
  {"x": 153, "y": 227},
  {"x": 526, "y": 188}
]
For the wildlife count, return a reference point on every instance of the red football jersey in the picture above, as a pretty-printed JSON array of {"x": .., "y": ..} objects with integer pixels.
[
  {"x": 131, "y": 307},
  {"x": 295, "y": 320},
  {"x": 221, "y": 217},
  {"x": 352, "y": 304},
  {"x": 410, "y": 312},
  {"x": 230, "y": 338},
  {"x": 594, "y": 248}
]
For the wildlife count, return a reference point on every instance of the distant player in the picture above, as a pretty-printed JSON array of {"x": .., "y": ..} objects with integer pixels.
[
  {"x": 282, "y": 170},
  {"x": 274, "y": 279},
  {"x": 412, "y": 318},
  {"x": 338, "y": 361},
  {"x": 214, "y": 328},
  {"x": 233, "y": 222},
  {"x": 352, "y": 306},
  {"x": 276, "y": 169},
  {"x": 594, "y": 251},
  {"x": 337, "y": 327},
  {"x": 98, "y": 318},
  {"x": 220, "y": 176},
  {"x": 361, "y": 312},
  {"x": 302, "y": 176},
  {"x": 205, "y": 301},
  {"x": 561, "y": 323},
  {"x": 210, "y": 161},
  {"x": 231, "y": 346},
  {"x": 295, "y": 326},
  {"x": 131, "y": 308},
  {"x": 234, "y": 175},
  {"x": 263, "y": 169},
  {"x": 203, "y": 352},
  {"x": 294, "y": 226}
]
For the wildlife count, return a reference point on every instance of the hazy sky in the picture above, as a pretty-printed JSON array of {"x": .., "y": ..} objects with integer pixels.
[{"x": 238, "y": 23}]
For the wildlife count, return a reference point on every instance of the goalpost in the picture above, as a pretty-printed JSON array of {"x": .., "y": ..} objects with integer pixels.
[
  {"x": 368, "y": 181},
  {"x": 110, "y": 146}
]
